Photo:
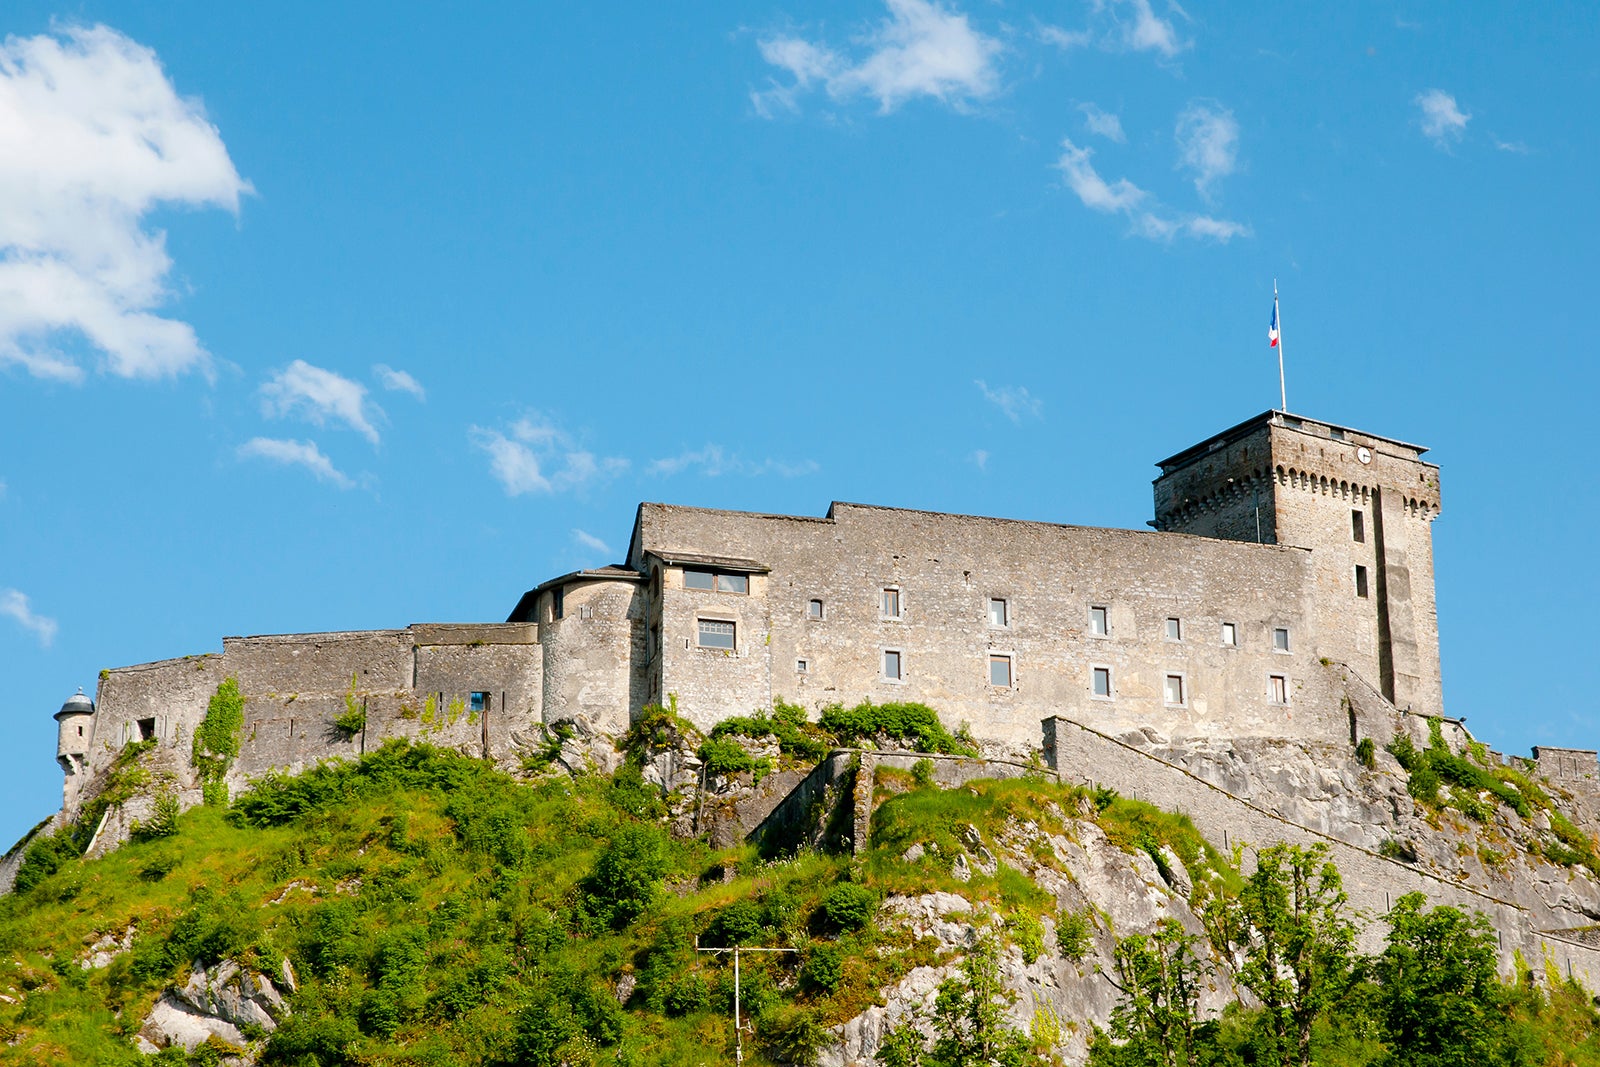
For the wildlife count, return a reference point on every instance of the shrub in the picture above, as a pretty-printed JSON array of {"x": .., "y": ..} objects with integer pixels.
[
  {"x": 916, "y": 723},
  {"x": 1074, "y": 935},
  {"x": 849, "y": 906},
  {"x": 163, "y": 820},
  {"x": 823, "y": 969},
  {"x": 216, "y": 740},
  {"x": 738, "y": 923},
  {"x": 722, "y": 756},
  {"x": 1366, "y": 753},
  {"x": 686, "y": 993},
  {"x": 1027, "y": 935},
  {"x": 626, "y": 876},
  {"x": 922, "y": 773}
]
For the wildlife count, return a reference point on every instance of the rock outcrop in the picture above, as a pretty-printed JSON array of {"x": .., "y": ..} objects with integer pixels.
[{"x": 226, "y": 1004}]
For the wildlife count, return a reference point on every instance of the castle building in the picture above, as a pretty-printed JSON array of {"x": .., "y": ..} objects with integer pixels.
[{"x": 1280, "y": 546}]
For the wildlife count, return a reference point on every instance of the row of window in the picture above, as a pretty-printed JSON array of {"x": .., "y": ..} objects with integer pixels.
[
  {"x": 890, "y": 606},
  {"x": 717, "y": 633}
]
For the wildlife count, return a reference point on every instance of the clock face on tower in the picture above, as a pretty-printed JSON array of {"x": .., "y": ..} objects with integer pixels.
[{"x": 1364, "y": 454}]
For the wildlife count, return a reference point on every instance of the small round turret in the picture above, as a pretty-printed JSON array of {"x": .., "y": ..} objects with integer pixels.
[{"x": 72, "y": 739}]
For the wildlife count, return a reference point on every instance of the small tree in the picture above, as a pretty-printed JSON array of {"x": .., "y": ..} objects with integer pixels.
[
  {"x": 1299, "y": 946},
  {"x": 1440, "y": 998},
  {"x": 1159, "y": 976},
  {"x": 969, "y": 1016}
]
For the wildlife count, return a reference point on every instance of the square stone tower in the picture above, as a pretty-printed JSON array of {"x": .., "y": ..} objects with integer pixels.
[{"x": 1361, "y": 504}]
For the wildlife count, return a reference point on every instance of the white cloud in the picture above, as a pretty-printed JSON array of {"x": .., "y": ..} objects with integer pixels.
[
  {"x": 535, "y": 457},
  {"x": 1122, "y": 197},
  {"x": 319, "y": 395},
  {"x": 1103, "y": 123},
  {"x": 1066, "y": 40},
  {"x": 713, "y": 461},
  {"x": 981, "y": 458},
  {"x": 1085, "y": 181},
  {"x": 1013, "y": 400},
  {"x": 295, "y": 454},
  {"x": 93, "y": 137},
  {"x": 398, "y": 381},
  {"x": 1145, "y": 31},
  {"x": 15, "y": 605},
  {"x": 1517, "y": 147},
  {"x": 1443, "y": 122},
  {"x": 1208, "y": 143},
  {"x": 591, "y": 542},
  {"x": 921, "y": 49}
]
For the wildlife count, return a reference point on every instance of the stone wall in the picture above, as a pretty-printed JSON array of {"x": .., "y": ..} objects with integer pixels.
[
  {"x": 1373, "y": 882},
  {"x": 945, "y": 569}
]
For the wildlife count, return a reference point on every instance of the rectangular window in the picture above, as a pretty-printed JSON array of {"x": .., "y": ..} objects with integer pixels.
[
  {"x": 1280, "y": 688},
  {"x": 891, "y": 665},
  {"x": 478, "y": 702},
  {"x": 1174, "y": 629},
  {"x": 717, "y": 581},
  {"x": 1000, "y": 671},
  {"x": 889, "y": 605},
  {"x": 1361, "y": 581},
  {"x": 1102, "y": 681},
  {"x": 715, "y": 633},
  {"x": 1174, "y": 689},
  {"x": 1100, "y": 621},
  {"x": 1230, "y": 635},
  {"x": 1280, "y": 639},
  {"x": 147, "y": 729},
  {"x": 1358, "y": 526},
  {"x": 801, "y": 666},
  {"x": 813, "y": 609},
  {"x": 558, "y": 603},
  {"x": 999, "y": 612},
  {"x": 1336, "y": 434}
]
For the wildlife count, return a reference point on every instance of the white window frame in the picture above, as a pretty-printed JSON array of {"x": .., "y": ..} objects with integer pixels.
[
  {"x": 1111, "y": 682},
  {"x": 700, "y": 622},
  {"x": 883, "y": 665},
  {"x": 1182, "y": 679},
  {"x": 1286, "y": 648},
  {"x": 1105, "y": 612},
  {"x": 821, "y": 609},
  {"x": 899, "y": 603},
  {"x": 1011, "y": 668},
  {"x": 802, "y": 666},
  {"x": 1230, "y": 635},
  {"x": 1005, "y": 613},
  {"x": 1275, "y": 682},
  {"x": 1172, "y": 629}
]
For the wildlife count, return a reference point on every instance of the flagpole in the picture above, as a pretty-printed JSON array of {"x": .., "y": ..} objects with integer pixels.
[{"x": 1283, "y": 392}]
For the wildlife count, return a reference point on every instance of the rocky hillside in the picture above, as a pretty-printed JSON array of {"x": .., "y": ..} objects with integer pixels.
[{"x": 421, "y": 907}]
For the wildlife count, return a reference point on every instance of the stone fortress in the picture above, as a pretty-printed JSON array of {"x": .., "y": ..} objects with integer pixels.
[{"x": 1284, "y": 595}]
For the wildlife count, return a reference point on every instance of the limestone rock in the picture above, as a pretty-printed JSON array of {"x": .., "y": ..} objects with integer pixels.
[{"x": 221, "y": 1002}]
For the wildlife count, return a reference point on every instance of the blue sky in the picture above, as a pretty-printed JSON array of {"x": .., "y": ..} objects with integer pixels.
[{"x": 343, "y": 316}]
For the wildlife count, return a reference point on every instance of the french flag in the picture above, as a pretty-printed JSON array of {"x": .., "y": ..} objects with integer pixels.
[{"x": 1272, "y": 327}]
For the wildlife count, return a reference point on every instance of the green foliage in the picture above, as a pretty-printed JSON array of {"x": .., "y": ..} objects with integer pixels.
[
  {"x": 1074, "y": 935},
  {"x": 1440, "y": 999},
  {"x": 163, "y": 821},
  {"x": 1159, "y": 976},
  {"x": 1298, "y": 941},
  {"x": 849, "y": 906},
  {"x": 916, "y": 724},
  {"x": 823, "y": 968},
  {"x": 658, "y": 727},
  {"x": 723, "y": 756},
  {"x": 626, "y": 877},
  {"x": 1027, "y": 933},
  {"x": 922, "y": 773},
  {"x": 1367, "y": 753},
  {"x": 969, "y": 1015},
  {"x": 787, "y": 724},
  {"x": 216, "y": 740},
  {"x": 353, "y": 720}
]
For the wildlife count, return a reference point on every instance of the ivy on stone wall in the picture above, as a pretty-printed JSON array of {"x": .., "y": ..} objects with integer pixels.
[{"x": 216, "y": 740}]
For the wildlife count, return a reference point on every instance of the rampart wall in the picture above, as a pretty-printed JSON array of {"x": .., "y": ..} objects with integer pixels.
[{"x": 1081, "y": 753}]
